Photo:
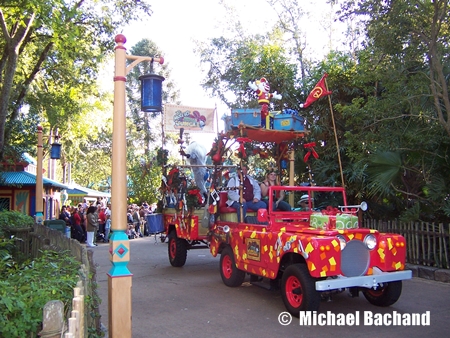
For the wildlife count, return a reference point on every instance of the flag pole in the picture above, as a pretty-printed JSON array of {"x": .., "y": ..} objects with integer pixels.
[
  {"x": 216, "y": 117},
  {"x": 335, "y": 136}
]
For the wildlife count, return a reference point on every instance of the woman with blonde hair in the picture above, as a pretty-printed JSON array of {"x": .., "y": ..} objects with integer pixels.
[{"x": 272, "y": 179}]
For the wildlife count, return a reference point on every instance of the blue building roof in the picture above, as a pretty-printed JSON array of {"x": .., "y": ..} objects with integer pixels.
[
  {"x": 79, "y": 190},
  {"x": 23, "y": 178}
]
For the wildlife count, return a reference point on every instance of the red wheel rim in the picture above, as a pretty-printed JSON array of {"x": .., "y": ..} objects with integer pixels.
[
  {"x": 227, "y": 267},
  {"x": 173, "y": 248},
  {"x": 294, "y": 292},
  {"x": 376, "y": 293}
]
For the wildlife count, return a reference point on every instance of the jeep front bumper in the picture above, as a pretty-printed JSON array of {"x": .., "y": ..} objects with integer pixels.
[{"x": 370, "y": 281}]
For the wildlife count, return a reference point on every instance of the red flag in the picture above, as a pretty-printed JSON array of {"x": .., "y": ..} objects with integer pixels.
[{"x": 319, "y": 91}]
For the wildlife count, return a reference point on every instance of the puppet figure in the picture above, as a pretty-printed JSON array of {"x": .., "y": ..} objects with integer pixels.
[
  {"x": 262, "y": 89},
  {"x": 196, "y": 155}
]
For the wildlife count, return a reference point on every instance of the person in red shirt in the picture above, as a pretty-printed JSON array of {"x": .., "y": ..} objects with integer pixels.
[
  {"x": 102, "y": 220},
  {"x": 77, "y": 230}
]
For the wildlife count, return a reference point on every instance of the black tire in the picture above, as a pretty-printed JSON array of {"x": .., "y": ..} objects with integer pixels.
[
  {"x": 231, "y": 275},
  {"x": 177, "y": 250},
  {"x": 385, "y": 295},
  {"x": 298, "y": 290}
]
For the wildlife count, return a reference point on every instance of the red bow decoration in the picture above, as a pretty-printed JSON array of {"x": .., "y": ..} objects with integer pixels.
[
  {"x": 196, "y": 193},
  {"x": 330, "y": 211},
  {"x": 310, "y": 150},
  {"x": 241, "y": 148},
  {"x": 172, "y": 172}
]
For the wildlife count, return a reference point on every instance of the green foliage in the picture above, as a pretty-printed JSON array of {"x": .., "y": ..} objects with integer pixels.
[
  {"x": 15, "y": 219},
  {"x": 144, "y": 179},
  {"x": 7, "y": 248},
  {"x": 24, "y": 290},
  {"x": 383, "y": 170},
  {"x": 232, "y": 63},
  {"x": 58, "y": 65}
]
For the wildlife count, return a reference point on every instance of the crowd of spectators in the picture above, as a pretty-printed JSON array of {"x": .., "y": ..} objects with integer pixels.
[{"x": 90, "y": 222}]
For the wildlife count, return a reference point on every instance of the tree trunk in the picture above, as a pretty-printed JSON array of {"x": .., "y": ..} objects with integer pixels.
[{"x": 12, "y": 46}]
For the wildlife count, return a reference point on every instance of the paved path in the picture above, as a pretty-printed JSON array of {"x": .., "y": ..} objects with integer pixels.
[{"x": 192, "y": 301}]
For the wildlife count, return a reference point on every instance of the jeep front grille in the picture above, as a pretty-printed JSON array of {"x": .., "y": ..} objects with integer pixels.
[{"x": 355, "y": 259}]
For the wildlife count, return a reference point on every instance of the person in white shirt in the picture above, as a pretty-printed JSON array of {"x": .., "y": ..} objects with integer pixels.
[{"x": 251, "y": 193}]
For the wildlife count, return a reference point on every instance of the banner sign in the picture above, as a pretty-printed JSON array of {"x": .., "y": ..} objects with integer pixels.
[{"x": 192, "y": 119}]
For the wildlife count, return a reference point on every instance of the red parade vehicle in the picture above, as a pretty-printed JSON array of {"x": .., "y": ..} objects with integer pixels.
[{"x": 307, "y": 254}]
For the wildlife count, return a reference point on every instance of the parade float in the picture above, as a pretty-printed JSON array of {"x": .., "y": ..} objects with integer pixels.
[{"x": 307, "y": 253}]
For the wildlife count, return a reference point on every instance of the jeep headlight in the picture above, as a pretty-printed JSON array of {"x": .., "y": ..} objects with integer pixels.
[
  {"x": 342, "y": 241},
  {"x": 370, "y": 241}
]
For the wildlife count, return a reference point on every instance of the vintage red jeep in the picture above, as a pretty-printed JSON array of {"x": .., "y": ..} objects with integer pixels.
[{"x": 311, "y": 253}]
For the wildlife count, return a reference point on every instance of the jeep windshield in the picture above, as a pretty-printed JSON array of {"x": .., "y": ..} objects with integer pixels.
[{"x": 310, "y": 198}]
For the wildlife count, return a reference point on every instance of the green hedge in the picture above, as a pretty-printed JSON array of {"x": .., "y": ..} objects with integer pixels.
[
  {"x": 14, "y": 219},
  {"x": 25, "y": 289}
]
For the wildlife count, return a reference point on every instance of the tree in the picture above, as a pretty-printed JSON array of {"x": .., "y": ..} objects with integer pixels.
[
  {"x": 396, "y": 133},
  {"x": 146, "y": 127},
  {"x": 143, "y": 128},
  {"x": 418, "y": 33},
  {"x": 54, "y": 47},
  {"x": 233, "y": 63}
]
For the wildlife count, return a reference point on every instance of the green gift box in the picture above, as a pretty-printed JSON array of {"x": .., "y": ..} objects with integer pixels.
[
  {"x": 343, "y": 222},
  {"x": 319, "y": 221},
  {"x": 354, "y": 222}
]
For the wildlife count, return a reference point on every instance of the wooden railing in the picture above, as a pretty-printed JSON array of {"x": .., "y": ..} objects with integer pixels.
[{"x": 427, "y": 243}]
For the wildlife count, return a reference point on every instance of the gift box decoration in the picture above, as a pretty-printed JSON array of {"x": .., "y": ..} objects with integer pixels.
[
  {"x": 288, "y": 122},
  {"x": 319, "y": 221},
  {"x": 249, "y": 117},
  {"x": 343, "y": 222},
  {"x": 353, "y": 222}
]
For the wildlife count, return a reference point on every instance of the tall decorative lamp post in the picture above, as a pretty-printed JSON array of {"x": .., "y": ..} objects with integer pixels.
[
  {"x": 39, "y": 217},
  {"x": 55, "y": 153},
  {"x": 119, "y": 277}
]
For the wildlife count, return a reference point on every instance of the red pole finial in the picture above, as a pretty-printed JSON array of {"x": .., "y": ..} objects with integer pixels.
[{"x": 120, "y": 38}]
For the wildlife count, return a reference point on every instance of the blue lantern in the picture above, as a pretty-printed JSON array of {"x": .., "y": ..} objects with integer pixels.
[
  {"x": 55, "y": 152},
  {"x": 151, "y": 93}
]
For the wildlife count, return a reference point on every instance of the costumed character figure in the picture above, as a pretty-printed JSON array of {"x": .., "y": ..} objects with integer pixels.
[
  {"x": 262, "y": 89},
  {"x": 196, "y": 155}
]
